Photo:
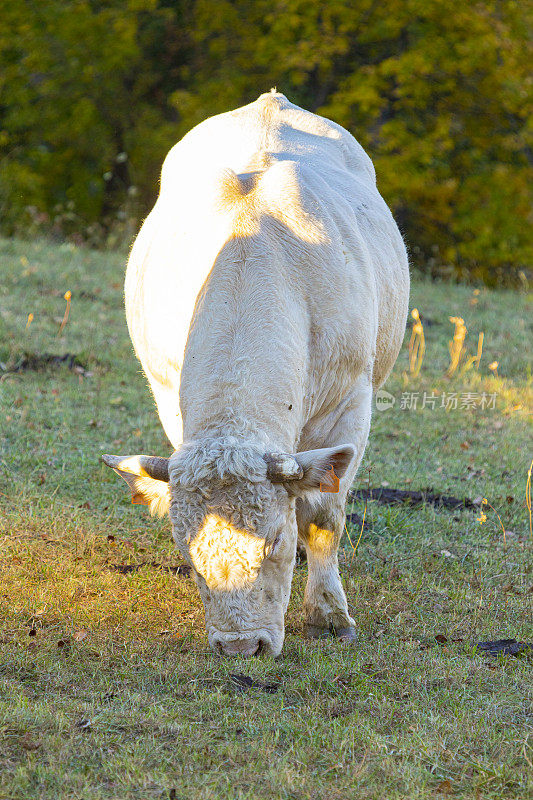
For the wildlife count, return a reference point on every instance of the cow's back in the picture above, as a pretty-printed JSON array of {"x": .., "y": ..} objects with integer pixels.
[{"x": 269, "y": 170}]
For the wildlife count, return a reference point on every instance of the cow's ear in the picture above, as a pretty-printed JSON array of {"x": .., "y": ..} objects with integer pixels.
[
  {"x": 147, "y": 477},
  {"x": 313, "y": 470}
]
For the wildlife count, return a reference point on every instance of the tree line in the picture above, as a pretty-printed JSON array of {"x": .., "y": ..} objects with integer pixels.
[{"x": 93, "y": 93}]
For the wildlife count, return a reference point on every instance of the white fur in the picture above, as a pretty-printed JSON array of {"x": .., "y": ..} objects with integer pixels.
[
  {"x": 266, "y": 293},
  {"x": 226, "y": 557},
  {"x": 156, "y": 495}
]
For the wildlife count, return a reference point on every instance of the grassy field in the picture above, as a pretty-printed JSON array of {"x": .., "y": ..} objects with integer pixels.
[{"x": 107, "y": 688}]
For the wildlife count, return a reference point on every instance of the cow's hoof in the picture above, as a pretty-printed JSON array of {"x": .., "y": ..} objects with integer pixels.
[{"x": 344, "y": 635}]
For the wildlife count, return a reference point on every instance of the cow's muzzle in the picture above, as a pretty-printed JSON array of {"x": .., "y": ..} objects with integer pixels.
[{"x": 241, "y": 647}]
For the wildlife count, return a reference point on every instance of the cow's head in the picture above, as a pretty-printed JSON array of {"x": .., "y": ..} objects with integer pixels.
[{"x": 232, "y": 509}]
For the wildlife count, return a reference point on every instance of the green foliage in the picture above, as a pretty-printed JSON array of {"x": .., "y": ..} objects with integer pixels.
[
  {"x": 442, "y": 102},
  {"x": 85, "y": 123}
]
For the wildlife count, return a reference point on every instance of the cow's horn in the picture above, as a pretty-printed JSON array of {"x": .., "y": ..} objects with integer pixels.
[
  {"x": 282, "y": 467},
  {"x": 154, "y": 466}
]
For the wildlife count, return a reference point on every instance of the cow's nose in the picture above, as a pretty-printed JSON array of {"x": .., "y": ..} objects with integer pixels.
[{"x": 241, "y": 647}]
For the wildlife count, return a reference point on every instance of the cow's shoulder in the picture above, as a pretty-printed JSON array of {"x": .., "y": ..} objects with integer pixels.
[{"x": 271, "y": 125}]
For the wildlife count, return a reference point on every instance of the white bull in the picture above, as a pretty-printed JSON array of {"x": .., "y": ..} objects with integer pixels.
[{"x": 266, "y": 296}]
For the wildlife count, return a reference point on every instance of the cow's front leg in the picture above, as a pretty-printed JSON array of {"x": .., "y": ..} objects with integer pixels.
[
  {"x": 320, "y": 527},
  {"x": 325, "y": 607}
]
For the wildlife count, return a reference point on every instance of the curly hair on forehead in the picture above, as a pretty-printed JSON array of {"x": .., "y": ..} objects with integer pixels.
[
  {"x": 221, "y": 475},
  {"x": 243, "y": 505},
  {"x": 220, "y": 459}
]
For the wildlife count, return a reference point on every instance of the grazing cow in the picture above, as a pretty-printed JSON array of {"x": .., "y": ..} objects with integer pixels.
[{"x": 266, "y": 296}]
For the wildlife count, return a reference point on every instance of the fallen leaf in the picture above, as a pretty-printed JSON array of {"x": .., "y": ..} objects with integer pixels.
[
  {"x": 394, "y": 574},
  {"x": 28, "y": 743}
]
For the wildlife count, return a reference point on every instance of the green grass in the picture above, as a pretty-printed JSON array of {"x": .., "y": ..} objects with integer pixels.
[{"x": 115, "y": 694}]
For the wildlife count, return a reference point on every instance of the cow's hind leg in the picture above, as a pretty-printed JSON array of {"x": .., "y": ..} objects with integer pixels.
[{"x": 320, "y": 528}]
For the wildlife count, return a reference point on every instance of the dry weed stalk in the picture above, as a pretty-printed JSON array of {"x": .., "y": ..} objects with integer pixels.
[
  {"x": 67, "y": 296},
  {"x": 417, "y": 344},
  {"x": 474, "y": 299},
  {"x": 479, "y": 349},
  {"x": 477, "y": 358},
  {"x": 456, "y": 346},
  {"x": 354, "y": 549},
  {"x": 528, "y": 497},
  {"x": 482, "y": 517}
]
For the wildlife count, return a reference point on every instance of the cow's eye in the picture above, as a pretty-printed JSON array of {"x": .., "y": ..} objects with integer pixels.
[
  {"x": 270, "y": 549},
  {"x": 275, "y": 543}
]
